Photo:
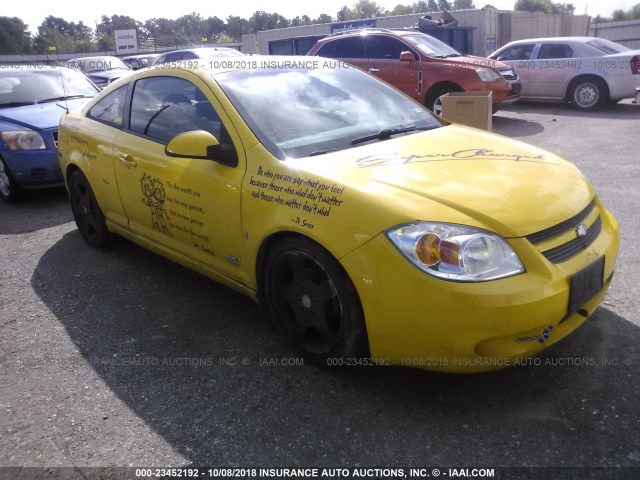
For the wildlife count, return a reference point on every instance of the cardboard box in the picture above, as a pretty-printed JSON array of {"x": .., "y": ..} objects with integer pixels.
[{"x": 474, "y": 109}]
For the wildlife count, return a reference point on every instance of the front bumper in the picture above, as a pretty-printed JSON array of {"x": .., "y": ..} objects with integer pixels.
[
  {"x": 33, "y": 169},
  {"x": 414, "y": 319}
]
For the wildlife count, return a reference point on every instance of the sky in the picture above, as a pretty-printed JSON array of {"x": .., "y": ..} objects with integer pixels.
[{"x": 33, "y": 12}]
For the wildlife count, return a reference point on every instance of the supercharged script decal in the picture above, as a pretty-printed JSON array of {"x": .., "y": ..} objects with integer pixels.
[{"x": 469, "y": 154}]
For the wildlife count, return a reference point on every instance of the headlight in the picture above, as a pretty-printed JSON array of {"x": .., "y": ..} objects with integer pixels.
[
  {"x": 487, "y": 75},
  {"x": 456, "y": 252},
  {"x": 23, "y": 140}
]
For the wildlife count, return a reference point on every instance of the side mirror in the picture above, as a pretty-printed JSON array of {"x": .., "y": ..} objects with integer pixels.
[
  {"x": 202, "y": 145},
  {"x": 407, "y": 57}
]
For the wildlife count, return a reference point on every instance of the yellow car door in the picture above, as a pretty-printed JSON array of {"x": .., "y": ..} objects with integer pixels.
[{"x": 187, "y": 205}]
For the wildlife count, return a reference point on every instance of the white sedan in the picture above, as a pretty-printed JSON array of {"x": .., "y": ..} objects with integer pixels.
[{"x": 586, "y": 71}]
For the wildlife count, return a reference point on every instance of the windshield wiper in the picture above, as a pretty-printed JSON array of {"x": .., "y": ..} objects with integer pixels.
[
  {"x": 321, "y": 152},
  {"x": 15, "y": 104},
  {"x": 453, "y": 55},
  {"x": 387, "y": 133},
  {"x": 67, "y": 97}
]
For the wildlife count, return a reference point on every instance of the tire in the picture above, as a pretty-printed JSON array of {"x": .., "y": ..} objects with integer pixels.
[
  {"x": 86, "y": 212},
  {"x": 10, "y": 191},
  {"x": 433, "y": 99},
  {"x": 588, "y": 93},
  {"x": 314, "y": 302}
]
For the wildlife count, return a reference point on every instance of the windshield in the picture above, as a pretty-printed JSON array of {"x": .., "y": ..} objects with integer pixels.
[
  {"x": 97, "y": 64},
  {"x": 303, "y": 112},
  {"x": 431, "y": 46},
  {"x": 26, "y": 87},
  {"x": 607, "y": 46}
]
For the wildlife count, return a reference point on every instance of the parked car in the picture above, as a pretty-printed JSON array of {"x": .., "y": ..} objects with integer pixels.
[
  {"x": 419, "y": 65},
  {"x": 195, "y": 53},
  {"x": 136, "y": 62},
  {"x": 586, "y": 71},
  {"x": 31, "y": 103},
  {"x": 101, "y": 70},
  {"x": 372, "y": 232}
]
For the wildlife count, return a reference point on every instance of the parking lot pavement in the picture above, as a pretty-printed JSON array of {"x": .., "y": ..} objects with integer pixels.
[{"x": 121, "y": 358}]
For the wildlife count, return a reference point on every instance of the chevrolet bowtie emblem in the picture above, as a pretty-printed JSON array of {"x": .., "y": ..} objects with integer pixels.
[{"x": 581, "y": 230}]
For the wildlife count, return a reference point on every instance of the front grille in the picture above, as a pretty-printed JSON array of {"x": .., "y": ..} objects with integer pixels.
[
  {"x": 509, "y": 75},
  {"x": 55, "y": 138},
  {"x": 575, "y": 246},
  {"x": 571, "y": 248},
  {"x": 516, "y": 88},
  {"x": 39, "y": 173},
  {"x": 560, "y": 228}
]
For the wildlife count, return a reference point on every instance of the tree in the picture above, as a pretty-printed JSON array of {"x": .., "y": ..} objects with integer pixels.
[
  {"x": 433, "y": 6},
  {"x": 565, "y": 8},
  {"x": 323, "y": 18},
  {"x": 444, "y": 5},
  {"x": 191, "y": 28},
  {"x": 345, "y": 14},
  {"x": 66, "y": 37},
  {"x": 533, "y": 6},
  {"x": 215, "y": 28},
  {"x": 619, "y": 15},
  {"x": 14, "y": 37},
  {"x": 367, "y": 9},
  {"x": 463, "y": 4},
  {"x": 402, "y": 10},
  {"x": 236, "y": 27}
]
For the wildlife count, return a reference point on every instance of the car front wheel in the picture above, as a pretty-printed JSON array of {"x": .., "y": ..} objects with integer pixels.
[
  {"x": 313, "y": 300},
  {"x": 588, "y": 93},
  {"x": 10, "y": 191},
  {"x": 86, "y": 211}
]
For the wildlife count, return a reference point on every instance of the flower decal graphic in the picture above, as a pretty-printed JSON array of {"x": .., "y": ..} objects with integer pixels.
[{"x": 154, "y": 197}]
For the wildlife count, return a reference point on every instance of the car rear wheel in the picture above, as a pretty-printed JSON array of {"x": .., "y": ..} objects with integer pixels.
[
  {"x": 10, "y": 191},
  {"x": 313, "y": 300},
  {"x": 433, "y": 99},
  {"x": 588, "y": 93},
  {"x": 86, "y": 211}
]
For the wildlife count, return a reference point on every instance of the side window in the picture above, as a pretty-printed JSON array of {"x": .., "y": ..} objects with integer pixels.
[
  {"x": 110, "y": 109},
  {"x": 188, "y": 56},
  {"x": 173, "y": 57},
  {"x": 385, "y": 48},
  {"x": 352, "y": 47},
  {"x": 517, "y": 52},
  {"x": 163, "y": 107},
  {"x": 555, "y": 50}
]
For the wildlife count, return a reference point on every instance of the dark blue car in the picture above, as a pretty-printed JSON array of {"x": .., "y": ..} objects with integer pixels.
[{"x": 31, "y": 103}]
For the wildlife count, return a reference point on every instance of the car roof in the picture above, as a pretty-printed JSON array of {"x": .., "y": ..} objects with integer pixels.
[
  {"x": 140, "y": 55},
  {"x": 92, "y": 58},
  {"x": 556, "y": 39},
  {"x": 200, "y": 49},
  {"x": 367, "y": 31}
]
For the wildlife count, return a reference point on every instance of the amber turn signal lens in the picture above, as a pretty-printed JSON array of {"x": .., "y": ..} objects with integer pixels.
[
  {"x": 427, "y": 249},
  {"x": 449, "y": 252}
]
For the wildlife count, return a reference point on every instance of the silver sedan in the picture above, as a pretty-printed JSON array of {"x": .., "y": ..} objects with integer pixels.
[{"x": 586, "y": 71}]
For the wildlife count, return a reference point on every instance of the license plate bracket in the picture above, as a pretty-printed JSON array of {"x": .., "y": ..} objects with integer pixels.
[{"x": 586, "y": 284}]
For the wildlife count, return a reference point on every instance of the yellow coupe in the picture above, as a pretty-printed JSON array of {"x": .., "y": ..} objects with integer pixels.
[{"x": 374, "y": 232}]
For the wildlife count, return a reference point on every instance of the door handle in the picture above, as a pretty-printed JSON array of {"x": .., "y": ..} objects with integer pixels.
[
  {"x": 374, "y": 70},
  {"x": 128, "y": 161}
]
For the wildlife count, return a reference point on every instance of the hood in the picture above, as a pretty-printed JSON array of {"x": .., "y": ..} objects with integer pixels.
[
  {"x": 462, "y": 175},
  {"x": 479, "y": 62},
  {"x": 41, "y": 115}
]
